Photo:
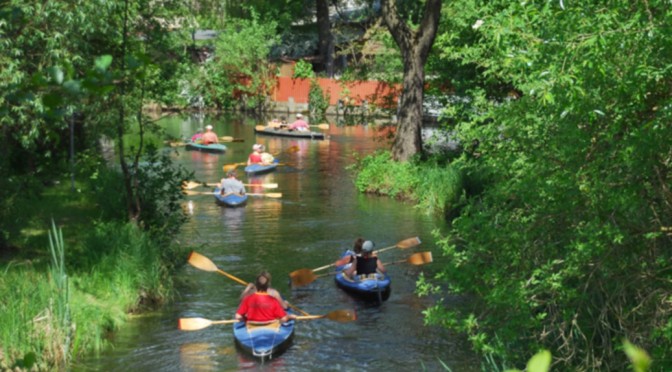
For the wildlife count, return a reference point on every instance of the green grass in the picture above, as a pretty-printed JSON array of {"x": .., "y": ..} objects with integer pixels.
[
  {"x": 108, "y": 270},
  {"x": 436, "y": 188}
]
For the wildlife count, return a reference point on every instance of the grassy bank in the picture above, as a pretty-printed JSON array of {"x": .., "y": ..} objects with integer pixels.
[
  {"x": 435, "y": 187},
  {"x": 63, "y": 298}
]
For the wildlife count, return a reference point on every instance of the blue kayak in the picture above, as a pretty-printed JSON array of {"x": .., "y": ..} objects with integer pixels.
[
  {"x": 264, "y": 341},
  {"x": 213, "y": 147},
  {"x": 259, "y": 169},
  {"x": 231, "y": 200},
  {"x": 373, "y": 287}
]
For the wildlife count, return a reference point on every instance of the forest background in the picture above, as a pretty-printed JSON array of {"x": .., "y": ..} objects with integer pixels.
[{"x": 559, "y": 194}]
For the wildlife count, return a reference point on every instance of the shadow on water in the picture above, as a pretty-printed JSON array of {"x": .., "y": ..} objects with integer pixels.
[{"x": 318, "y": 216}]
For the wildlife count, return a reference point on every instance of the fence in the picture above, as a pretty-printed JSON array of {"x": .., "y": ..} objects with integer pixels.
[{"x": 350, "y": 93}]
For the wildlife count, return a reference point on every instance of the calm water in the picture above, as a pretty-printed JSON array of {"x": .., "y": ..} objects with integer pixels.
[{"x": 319, "y": 215}]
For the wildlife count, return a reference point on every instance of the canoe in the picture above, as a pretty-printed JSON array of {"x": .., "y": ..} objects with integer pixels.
[
  {"x": 261, "y": 169},
  {"x": 289, "y": 133},
  {"x": 231, "y": 201},
  {"x": 213, "y": 147},
  {"x": 374, "y": 287},
  {"x": 264, "y": 341}
]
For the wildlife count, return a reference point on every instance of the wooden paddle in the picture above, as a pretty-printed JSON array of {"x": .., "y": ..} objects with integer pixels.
[
  {"x": 274, "y": 195},
  {"x": 194, "y": 324},
  {"x": 303, "y": 277},
  {"x": 404, "y": 244},
  {"x": 221, "y": 139},
  {"x": 231, "y": 139},
  {"x": 193, "y": 184},
  {"x": 203, "y": 263}
]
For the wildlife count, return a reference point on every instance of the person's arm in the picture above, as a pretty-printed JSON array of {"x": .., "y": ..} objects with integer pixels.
[
  {"x": 287, "y": 317},
  {"x": 239, "y": 317},
  {"x": 247, "y": 291},
  {"x": 278, "y": 297},
  {"x": 351, "y": 270},
  {"x": 380, "y": 266}
]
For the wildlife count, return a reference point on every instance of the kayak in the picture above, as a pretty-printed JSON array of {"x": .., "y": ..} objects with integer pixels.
[
  {"x": 213, "y": 147},
  {"x": 264, "y": 341},
  {"x": 289, "y": 133},
  {"x": 260, "y": 169},
  {"x": 373, "y": 287},
  {"x": 231, "y": 200}
]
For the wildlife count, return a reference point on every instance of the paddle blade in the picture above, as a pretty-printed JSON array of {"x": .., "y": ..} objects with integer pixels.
[
  {"x": 193, "y": 324},
  {"x": 191, "y": 192},
  {"x": 230, "y": 139},
  {"x": 191, "y": 185},
  {"x": 201, "y": 262},
  {"x": 302, "y": 277},
  {"x": 420, "y": 258},
  {"x": 322, "y": 126},
  {"x": 342, "y": 315},
  {"x": 230, "y": 167},
  {"x": 260, "y": 127},
  {"x": 408, "y": 243},
  {"x": 268, "y": 194}
]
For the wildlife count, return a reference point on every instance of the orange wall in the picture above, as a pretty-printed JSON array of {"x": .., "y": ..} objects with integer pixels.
[{"x": 378, "y": 93}]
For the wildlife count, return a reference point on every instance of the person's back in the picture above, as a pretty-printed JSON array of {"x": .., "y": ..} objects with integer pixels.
[
  {"x": 231, "y": 185},
  {"x": 367, "y": 263},
  {"x": 261, "y": 306},
  {"x": 299, "y": 124},
  {"x": 255, "y": 156},
  {"x": 209, "y": 136}
]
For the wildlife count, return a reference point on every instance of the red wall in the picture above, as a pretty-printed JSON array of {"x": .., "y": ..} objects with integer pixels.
[{"x": 374, "y": 92}]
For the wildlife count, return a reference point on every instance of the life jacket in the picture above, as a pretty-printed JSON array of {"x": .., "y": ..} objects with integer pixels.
[{"x": 366, "y": 265}]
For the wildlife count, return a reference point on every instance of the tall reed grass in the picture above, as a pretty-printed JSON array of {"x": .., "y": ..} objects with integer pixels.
[{"x": 87, "y": 292}]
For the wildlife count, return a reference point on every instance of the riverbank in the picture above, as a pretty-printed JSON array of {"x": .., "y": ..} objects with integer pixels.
[{"x": 57, "y": 306}]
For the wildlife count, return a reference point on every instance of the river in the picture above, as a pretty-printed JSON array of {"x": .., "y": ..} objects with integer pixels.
[{"x": 318, "y": 216}]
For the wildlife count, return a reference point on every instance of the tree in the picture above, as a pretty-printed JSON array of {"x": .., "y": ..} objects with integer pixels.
[
  {"x": 568, "y": 245},
  {"x": 325, "y": 37},
  {"x": 415, "y": 45}
]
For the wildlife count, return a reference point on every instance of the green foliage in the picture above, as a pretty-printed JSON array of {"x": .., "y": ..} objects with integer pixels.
[
  {"x": 240, "y": 69},
  {"x": 303, "y": 70},
  {"x": 114, "y": 270},
  {"x": 566, "y": 246},
  {"x": 434, "y": 187},
  {"x": 318, "y": 102}
]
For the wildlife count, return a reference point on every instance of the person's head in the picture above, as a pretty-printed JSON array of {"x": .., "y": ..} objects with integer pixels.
[
  {"x": 262, "y": 283},
  {"x": 256, "y": 147},
  {"x": 232, "y": 174},
  {"x": 208, "y": 127},
  {"x": 357, "y": 247},
  {"x": 299, "y": 116},
  {"x": 367, "y": 247},
  {"x": 282, "y": 118},
  {"x": 262, "y": 148}
]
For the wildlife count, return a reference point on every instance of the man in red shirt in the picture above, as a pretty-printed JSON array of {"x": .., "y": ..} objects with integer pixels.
[{"x": 261, "y": 307}]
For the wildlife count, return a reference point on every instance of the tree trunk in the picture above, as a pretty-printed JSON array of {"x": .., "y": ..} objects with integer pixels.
[
  {"x": 326, "y": 39},
  {"x": 414, "y": 46}
]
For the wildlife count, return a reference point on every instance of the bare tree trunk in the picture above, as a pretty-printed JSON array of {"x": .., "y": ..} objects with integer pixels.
[
  {"x": 326, "y": 38},
  {"x": 415, "y": 46}
]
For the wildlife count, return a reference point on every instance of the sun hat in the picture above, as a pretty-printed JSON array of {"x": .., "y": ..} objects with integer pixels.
[
  {"x": 256, "y": 146},
  {"x": 208, "y": 127},
  {"x": 368, "y": 246},
  {"x": 299, "y": 115}
]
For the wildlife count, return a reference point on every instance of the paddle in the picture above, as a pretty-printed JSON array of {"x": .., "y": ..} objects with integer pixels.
[
  {"x": 404, "y": 244},
  {"x": 194, "y": 324},
  {"x": 231, "y": 139},
  {"x": 221, "y": 139},
  {"x": 193, "y": 184},
  {"x": 203, "y": 263},
  {"x": 303, "y": 277},
  {"x": 274, "y": 195}
]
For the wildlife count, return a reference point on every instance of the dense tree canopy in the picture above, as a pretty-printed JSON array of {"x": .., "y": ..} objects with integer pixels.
[{"x": 568, "y": 246}]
